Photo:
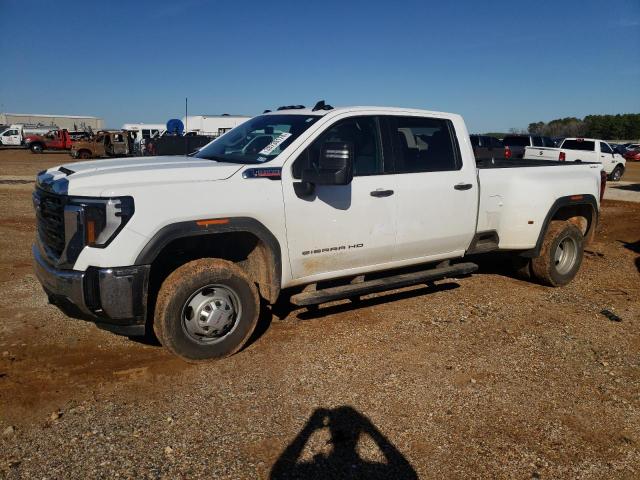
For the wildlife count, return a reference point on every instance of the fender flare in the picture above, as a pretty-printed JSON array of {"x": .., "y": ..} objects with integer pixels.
[
  {"x": 196, "y": 228},
  {"x": 571, "y": 200}
]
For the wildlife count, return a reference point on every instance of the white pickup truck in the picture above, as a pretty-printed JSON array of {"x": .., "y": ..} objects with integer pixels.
[
  {"x": 15, "y": 134},
  {"x": 190, "y": 245},
  {"x": 582, "y": 150}
]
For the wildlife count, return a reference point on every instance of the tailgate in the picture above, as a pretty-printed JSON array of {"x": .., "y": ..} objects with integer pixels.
[{"x": 541, "y": 153}]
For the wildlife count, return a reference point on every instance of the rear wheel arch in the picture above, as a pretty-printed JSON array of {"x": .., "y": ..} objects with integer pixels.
[{"x": 581, "y": 210}]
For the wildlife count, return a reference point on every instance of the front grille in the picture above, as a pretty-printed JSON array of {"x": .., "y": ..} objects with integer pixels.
[{"x": 50, "y": 216}]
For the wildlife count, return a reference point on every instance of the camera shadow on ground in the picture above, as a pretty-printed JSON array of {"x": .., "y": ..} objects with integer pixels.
[{"x": 349, "y": 446}]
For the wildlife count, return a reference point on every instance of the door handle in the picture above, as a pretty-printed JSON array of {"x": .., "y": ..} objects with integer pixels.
[
  {"x": 381, "y": 193},
  {"x": 462, "y": 186}
]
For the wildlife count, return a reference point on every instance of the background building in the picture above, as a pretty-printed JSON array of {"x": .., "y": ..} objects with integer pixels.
[
  {"x": 214, "y": 125},
  {"x": 70, "y": 122}
]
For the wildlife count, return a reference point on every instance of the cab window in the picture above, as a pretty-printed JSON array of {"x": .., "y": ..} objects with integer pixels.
[
  {"x": 361, "y": 132},
  {"x": 423, "y": 145},
  {"x": 605, "y": 148}
]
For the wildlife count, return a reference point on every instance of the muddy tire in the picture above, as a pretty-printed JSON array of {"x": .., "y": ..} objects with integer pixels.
[
  {"x": 206, "y": 309},
  {"x": 616, "y": 175},
  {"x": 560, "y": 256},
  {"x": 84, "y": 154}
]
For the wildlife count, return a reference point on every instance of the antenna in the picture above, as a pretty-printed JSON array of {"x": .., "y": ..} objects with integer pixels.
[{"x": 186, "y": 122}]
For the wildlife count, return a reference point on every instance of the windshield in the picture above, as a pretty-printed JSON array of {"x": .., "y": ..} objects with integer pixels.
[{"x": 257, "y": 140}]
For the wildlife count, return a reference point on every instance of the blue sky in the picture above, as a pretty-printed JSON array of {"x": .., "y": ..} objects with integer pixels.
[{"x": 501, "y": 64}]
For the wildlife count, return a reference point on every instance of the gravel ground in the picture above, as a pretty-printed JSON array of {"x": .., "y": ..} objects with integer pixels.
[{"x": 482, "y": 377}]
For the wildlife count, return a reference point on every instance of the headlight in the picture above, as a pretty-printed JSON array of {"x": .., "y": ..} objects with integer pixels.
[{"x": 101, "y": 219}]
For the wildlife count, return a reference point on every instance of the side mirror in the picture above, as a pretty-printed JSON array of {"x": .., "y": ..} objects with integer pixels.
[{"x": 335, "y": 165}]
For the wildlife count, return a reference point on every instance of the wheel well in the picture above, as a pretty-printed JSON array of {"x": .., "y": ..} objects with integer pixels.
[
  {"x": 581, "y": 216},
  {"x": 242, "y": 248}
]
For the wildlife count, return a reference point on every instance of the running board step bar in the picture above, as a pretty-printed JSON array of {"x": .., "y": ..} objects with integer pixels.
[{"x": 381, "y": 284}]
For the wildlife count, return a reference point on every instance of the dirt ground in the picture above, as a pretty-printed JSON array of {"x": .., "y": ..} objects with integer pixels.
[{"x": 483, "y": 377}]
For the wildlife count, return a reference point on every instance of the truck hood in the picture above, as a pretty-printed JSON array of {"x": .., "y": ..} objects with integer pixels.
[{"x": 100, "y": 177}]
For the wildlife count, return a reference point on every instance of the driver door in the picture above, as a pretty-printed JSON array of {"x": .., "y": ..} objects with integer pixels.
[{"x": 341, "y": 228}]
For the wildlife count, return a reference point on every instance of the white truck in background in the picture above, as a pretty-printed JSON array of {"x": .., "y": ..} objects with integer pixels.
[
  {"x": 582, "y": 150},
  {"x": 364, "y": 199},
  {"x": 15, "y": 134}
]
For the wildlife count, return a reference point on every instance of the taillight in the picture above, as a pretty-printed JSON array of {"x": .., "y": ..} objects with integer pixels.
[
  {"x": 603, "y": 183},
  {"x": 562, "y": 157},
  {"x": 507, "y": 153}
]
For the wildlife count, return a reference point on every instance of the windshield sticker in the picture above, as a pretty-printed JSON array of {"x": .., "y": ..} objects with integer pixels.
[
  {"x": 274, "y": 144},
  {"x": 261, "y": 159}
]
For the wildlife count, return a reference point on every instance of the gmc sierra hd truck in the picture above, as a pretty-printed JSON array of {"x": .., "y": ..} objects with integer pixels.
[{"x": 342, "y": 201}]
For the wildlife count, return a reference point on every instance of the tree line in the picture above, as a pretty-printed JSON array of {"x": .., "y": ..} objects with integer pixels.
[{"x": 613, "y": 127}]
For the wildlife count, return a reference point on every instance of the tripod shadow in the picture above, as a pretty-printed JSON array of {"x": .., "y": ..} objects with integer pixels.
[{"x": 346, "y": 427}]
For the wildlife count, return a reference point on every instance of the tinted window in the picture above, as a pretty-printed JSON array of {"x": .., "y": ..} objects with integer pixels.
[
  {"x": 423, "y": 144},
  {"x": 495, "y": 142},
  {"x": 548, "y": 142},
  {"x": 587, "y": 145},
  {"x": 516, "y": 141},
  {"x": 475, "y": 140},
  {"x": 362, "y": 132},
  {"x": 537, "y": 141},
  {"x": 604, "y": 148}
]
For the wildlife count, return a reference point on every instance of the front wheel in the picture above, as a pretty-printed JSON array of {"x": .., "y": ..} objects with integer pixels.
[
  {"x": 616, "y": 175},
  {"x": 561, "y": 254},
  {"x": 36, "y": 148},
  {"x": 206, "y": 309}
]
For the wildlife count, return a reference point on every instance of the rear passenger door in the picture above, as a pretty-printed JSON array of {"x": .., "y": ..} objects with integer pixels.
[{"x": 436, "y": 192}]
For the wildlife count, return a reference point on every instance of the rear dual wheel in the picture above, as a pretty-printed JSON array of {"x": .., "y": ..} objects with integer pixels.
[{"x": 560, "y": 256}]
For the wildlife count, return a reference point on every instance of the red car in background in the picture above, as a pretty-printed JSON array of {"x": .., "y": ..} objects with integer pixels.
[{"x": 633, "y": 155}]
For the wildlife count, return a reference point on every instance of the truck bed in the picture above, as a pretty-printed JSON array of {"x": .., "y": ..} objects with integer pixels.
[
  {"x": 516, "y": 195},
  {"x": 521, "y": 163}
]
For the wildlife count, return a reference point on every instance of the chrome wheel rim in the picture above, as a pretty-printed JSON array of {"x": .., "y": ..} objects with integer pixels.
[
  {"x": 210, "y": 314},
  {"x": 565, "y": 255},
  {"x": 616, "y": 174}
]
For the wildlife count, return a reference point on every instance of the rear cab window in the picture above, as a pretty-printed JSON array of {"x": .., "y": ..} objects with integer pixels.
[
  {"x": 579, "y": 144},
  {"x": 516, "y": 141}
]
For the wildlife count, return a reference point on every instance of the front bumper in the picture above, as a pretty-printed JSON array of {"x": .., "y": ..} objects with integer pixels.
[{"x": 115, "y": 299}]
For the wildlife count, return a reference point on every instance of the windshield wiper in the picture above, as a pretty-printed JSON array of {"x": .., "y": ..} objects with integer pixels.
[{"x": 231, "y": 160}]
